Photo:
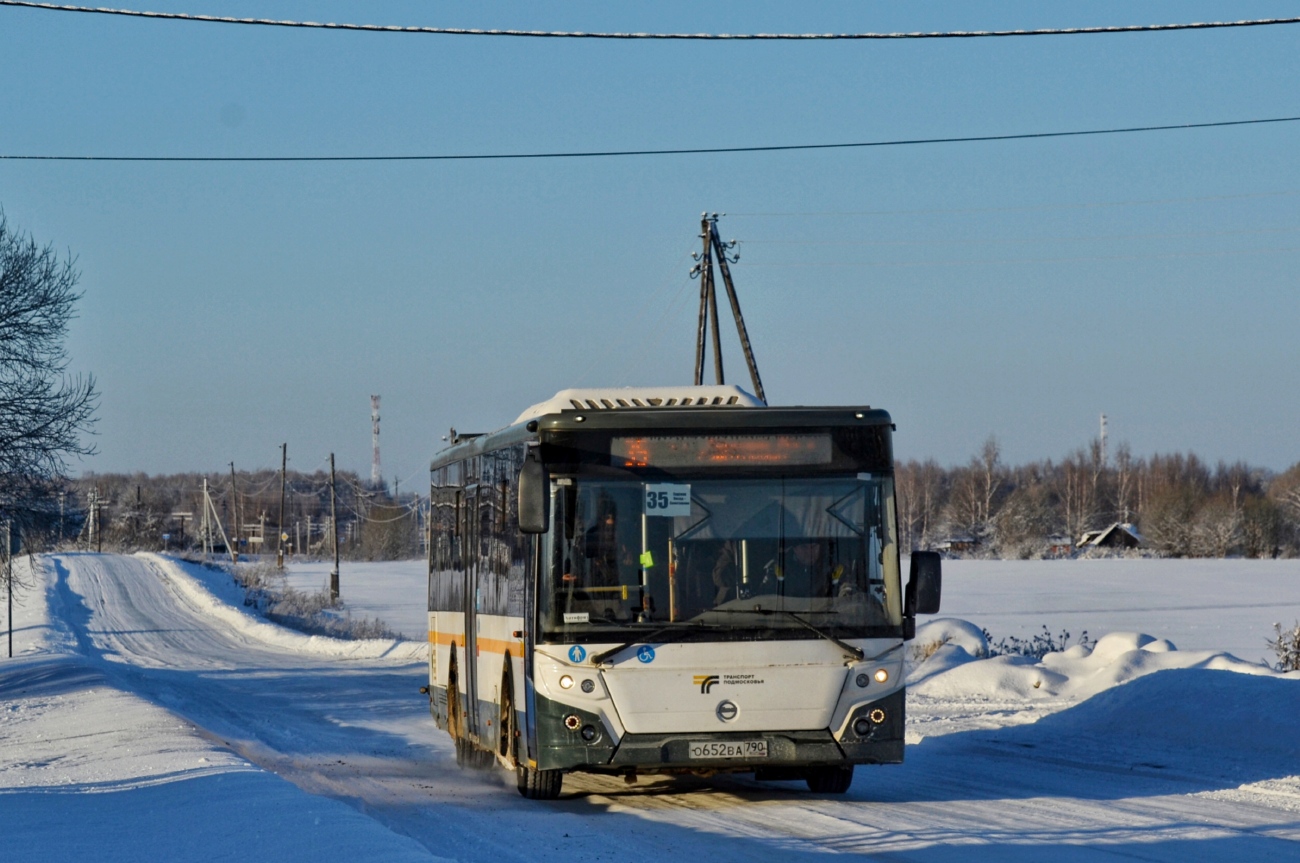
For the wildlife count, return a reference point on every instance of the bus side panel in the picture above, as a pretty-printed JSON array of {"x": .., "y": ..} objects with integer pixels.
[
  {"x": 499, "y": 621},
  {"x": 446, "y": 600},
  {"x": 446, "y": 633},
  {"x": 496, "y": 641}
]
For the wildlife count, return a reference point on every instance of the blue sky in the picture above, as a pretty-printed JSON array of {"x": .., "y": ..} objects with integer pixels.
[{"x": 1015, "y": 288}]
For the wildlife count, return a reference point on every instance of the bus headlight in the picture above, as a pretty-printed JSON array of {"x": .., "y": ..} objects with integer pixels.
[
  {"x": 566, "y": 682},
  {"x": 881, "y": 675}
]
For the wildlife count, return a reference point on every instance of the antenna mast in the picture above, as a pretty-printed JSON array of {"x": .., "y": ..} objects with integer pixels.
[
  {"x": 376, "y": 477},
  {"x": 715, "y": 248}
]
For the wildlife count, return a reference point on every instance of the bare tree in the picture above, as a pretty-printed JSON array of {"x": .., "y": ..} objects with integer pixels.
[
  {"x": 1076, "y": 491},
  {"x": 990, "y": 468},
  {"x": 1285, "y": 490},
  {"x": 43, "y": 412},
  {"x": 1124, "y": 470},
  {"x": 965, "y": 511}
]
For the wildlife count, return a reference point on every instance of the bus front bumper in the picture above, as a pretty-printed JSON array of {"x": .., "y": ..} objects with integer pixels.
[{"x": 672, "y": 751}]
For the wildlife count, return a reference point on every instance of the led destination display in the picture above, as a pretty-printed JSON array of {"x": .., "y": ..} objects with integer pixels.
[{"x": 678, "y": 451}]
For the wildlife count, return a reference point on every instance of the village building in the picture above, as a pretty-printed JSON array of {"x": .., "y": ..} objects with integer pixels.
[{"x": 1120, "y": 536}]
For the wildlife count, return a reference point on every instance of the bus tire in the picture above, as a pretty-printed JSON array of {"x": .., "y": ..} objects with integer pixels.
[
  {"x": 539, "y": 784},
  {"x": 468, "y": 755},
  {"x": 507, "y": 737},
  {"x": 455, "y": 722},
  {"x": 829, "y": 780}
]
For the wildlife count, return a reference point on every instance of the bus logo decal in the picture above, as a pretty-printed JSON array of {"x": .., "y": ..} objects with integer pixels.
[
  {"x": 645, "y": 653},
  {"x": 705, "y": 682},
  {"x": 577, "y": 653}
]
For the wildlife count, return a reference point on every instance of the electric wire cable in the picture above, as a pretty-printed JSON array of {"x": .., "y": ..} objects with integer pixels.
[
  {"x": 695, "y": 37},
  {"x": 679, "y": 151},
  {"x": 1084, "y": 205},
  {"x": 1004, "y": 261},
  {"x": 993, "y": 241}
]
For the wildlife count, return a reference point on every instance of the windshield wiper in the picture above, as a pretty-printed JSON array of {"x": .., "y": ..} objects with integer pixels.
[
  {"x": 855, "y": 652},
  {"x": 678, "y": 626}
]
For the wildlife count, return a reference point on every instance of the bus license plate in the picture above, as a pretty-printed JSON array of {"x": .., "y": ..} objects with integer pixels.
[{"x": 730, "y": 749}]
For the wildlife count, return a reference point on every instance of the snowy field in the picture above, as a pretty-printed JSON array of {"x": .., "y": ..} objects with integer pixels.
[
  {"x": 1227, "y": 605},
  {"x": 395, "y": 592},
  {"x": 148, "y": 715}
]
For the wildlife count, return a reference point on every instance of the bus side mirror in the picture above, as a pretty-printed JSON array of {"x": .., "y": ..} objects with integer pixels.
[
  {"x": 924, "y": 584},
  {"x": 534, "y": 494}
]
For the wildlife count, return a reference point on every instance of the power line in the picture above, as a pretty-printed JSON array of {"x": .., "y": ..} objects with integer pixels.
[
  {"x": 716, "y": 37},
  {"x": 683, "y": 151},
  {"x": 991, "y": 241},
  {"x": 1025, "y": 209},
  {"x": 1004, "y": 261}
]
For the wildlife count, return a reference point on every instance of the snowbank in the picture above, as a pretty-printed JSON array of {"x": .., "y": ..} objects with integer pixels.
[
  {"x": 213, "y": 592},
  {"x": 955, "y": 669},
  {"x": 1199, "y": 710}
]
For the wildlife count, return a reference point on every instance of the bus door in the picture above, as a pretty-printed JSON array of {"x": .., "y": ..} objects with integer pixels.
[{"x": 469, "y": 666}]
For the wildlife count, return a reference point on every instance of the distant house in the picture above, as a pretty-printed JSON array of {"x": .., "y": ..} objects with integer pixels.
[
  {"x": 1119, "y": 535},
  {"x": 1059, "y": 545},
  {"x": 958, "y": 544}
]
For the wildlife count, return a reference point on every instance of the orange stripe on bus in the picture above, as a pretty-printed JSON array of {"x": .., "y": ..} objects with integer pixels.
[{"x": 492, "y": 645}]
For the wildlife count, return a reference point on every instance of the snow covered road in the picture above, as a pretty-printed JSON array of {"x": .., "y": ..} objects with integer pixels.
[{"x": 1188, "y": 764}]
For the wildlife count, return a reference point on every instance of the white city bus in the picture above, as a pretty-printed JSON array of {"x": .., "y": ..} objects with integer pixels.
[{"x": 672, "y": 580}]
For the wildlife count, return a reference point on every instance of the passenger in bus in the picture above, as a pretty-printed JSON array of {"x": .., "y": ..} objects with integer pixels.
[
  {"x": 601, "y": 547},
  {"x": 726, "y": 574}
]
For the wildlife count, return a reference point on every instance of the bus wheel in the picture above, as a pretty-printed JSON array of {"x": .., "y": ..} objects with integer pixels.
[
  {"x": 829, "y": 780},
  {"x": 539, "y": 784},
  {"x": 455, "y": 722},
  {"x": 507, "y": 737}
]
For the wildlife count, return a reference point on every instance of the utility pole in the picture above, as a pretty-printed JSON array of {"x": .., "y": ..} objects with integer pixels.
[
  {"x": 210, "y": 517},
  {"x": 708, "y": 319},
  {"x": 376, "y": 477},
  {"x": 9, "y": 582},
  {"x": 234, "y": 507},
  {"x": 205, "y": 529},
  {"x": 334, "y": 528},
  {"x": 99, "y": 525},
  {"x": 741, "y": 331},
  {"x": 279, "y": 537},
  {"x": 62, "y": 496},
  {"x": 705, "y": 271}
]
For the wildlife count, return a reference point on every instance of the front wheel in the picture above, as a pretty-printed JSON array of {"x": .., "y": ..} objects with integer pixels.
[
  {"x": 539, "y": 784},
  {"x": 829, "y": 780}
]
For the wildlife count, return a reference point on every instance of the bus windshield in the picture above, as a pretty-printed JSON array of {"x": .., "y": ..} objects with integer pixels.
[{"x": 727, "y": 559}]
